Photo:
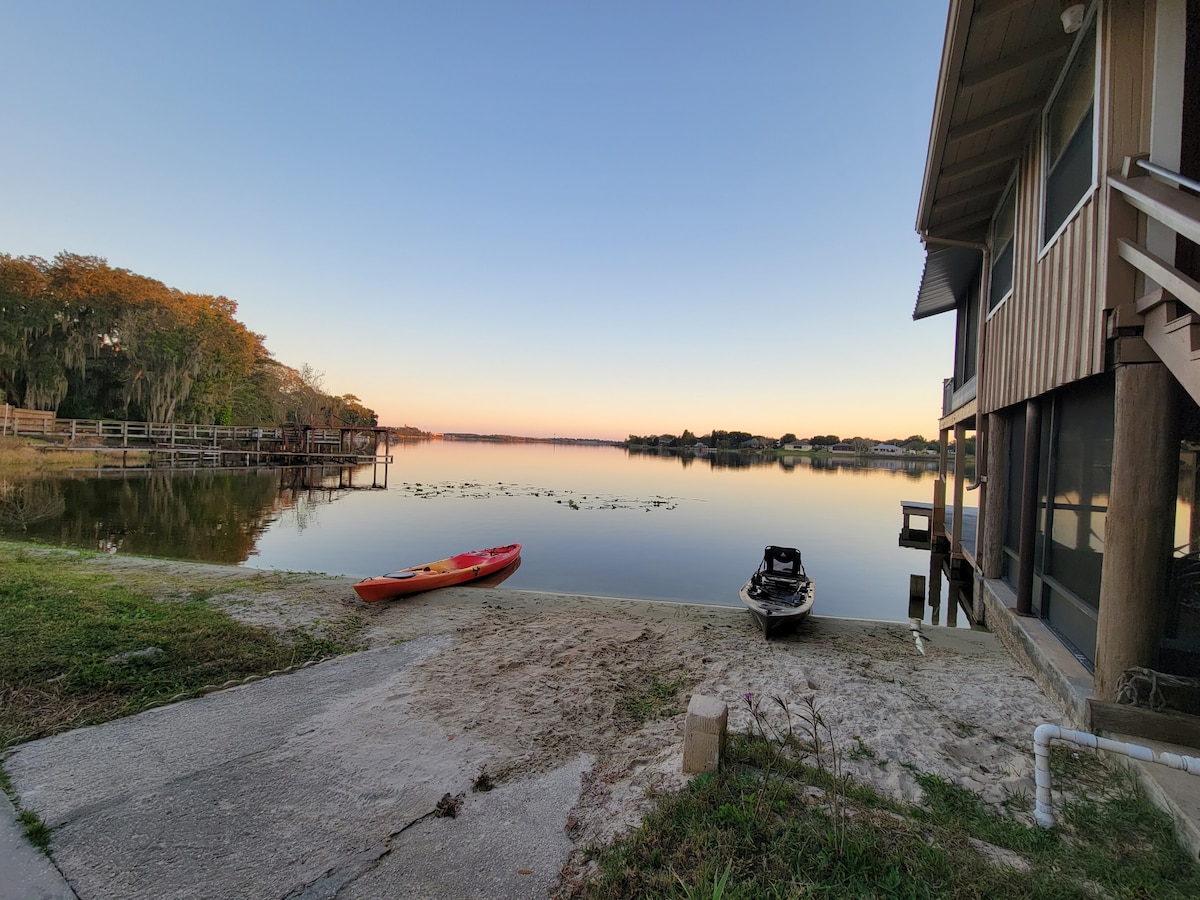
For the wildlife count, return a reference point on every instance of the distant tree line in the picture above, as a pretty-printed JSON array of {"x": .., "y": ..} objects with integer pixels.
[
  {"x": 85, "y": 340},
  {"x": 734, "y": 440}
]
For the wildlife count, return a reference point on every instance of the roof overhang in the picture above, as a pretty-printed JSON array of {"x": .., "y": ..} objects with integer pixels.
[
  {"x": 947, "y": 276},
  {"x": 1000, "y": 60}
]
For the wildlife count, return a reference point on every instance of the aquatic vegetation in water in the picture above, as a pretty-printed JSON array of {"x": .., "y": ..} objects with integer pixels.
[{"x": 468, "y": 490}]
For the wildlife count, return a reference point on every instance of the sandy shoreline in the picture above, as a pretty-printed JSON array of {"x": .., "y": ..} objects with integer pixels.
[
  {"x": 555, "y": 663},
  {"x": 543, "y": 679}
]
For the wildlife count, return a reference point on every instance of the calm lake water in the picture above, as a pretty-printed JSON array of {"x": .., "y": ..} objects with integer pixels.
[{"x": 593, "y": 520}]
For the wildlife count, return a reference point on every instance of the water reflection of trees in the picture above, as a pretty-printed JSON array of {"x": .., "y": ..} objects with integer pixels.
[
  {"x": 745, "y": 459},
  {"x": 915, "y": 469},
  {"x": 22, "y": 505},
  {"x": 214, "y": 516}
]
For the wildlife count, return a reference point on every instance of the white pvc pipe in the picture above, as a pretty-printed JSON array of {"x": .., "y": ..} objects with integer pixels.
[{"x": 1046, "y": 732}]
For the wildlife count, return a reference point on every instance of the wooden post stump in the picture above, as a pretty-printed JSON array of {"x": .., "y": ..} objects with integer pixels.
[{"x": 707, "y": 718}]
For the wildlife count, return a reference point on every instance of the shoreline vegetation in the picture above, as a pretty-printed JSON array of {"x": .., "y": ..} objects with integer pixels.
[
  {"x": 90, "y": 341},
  {"x": 816, "y": 795},
  {"x": 669, "y": 445},
  {"x": 87, "y": 340},
  {"x": 26, "y": 455},
  {"x": 30, "y": 455}
]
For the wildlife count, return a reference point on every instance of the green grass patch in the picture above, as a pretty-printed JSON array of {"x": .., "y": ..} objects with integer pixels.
[
  {"x": 64, "y": 631},
  {"x": 649, "y": 694},
  {"x": 770, "y": 826},
  {"x": 35, "y": 830}
]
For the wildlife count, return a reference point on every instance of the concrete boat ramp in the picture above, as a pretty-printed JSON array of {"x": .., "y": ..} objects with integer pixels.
[{"x": 322, "y": 783}]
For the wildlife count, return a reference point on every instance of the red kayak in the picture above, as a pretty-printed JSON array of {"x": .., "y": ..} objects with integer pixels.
[{"x": 444, "y": 572}]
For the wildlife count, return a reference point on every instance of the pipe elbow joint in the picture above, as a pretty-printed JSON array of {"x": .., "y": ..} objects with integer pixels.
[{"x": 1046, "y": 732}]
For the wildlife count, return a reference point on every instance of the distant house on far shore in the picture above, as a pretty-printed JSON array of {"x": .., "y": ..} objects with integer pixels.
[
  {"x": 887, "y": 449},
  {"x": 797, "y": 445},
  {"x": 842, "y": 448}
]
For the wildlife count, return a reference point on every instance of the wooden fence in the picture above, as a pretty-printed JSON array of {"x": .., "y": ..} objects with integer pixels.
[
  {"x": 182, "y": 444},
  {"x": 40, "y": 423}
]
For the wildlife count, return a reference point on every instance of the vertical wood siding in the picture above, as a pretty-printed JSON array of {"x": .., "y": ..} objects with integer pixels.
[
  {"x": 1050, "y": 331},
  {"x": 1042, "y": 337}
]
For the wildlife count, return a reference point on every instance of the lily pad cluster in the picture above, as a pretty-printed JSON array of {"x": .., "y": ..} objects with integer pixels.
[{"x": 470, "y": 490}]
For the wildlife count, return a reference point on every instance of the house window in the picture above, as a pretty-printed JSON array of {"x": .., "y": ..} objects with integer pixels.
[
  {"x": 1069, "y": 137},
  {"x": 1072, "y": 510},
  {"x": 1003, "y": 229},
  {"x": 968, "y": 336}
]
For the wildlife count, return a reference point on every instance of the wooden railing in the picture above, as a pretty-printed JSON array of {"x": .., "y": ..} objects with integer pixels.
[
  {"x": 1170, "y": 313},
  {"x": 33, "y": 423},
  {"x": 954, "y": 399},
  {"x": 1167, "y": 204}
]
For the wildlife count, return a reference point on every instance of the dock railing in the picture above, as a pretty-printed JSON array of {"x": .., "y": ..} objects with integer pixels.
[{"x": 224, "y": 441}]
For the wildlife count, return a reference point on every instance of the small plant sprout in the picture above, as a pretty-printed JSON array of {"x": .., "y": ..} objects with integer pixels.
[
  {"x": 716, "y": 892},
  {"x": 483, "y": 781}
]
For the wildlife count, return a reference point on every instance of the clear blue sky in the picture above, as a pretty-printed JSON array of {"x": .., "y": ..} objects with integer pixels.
[{"x": 582, "y": 217}]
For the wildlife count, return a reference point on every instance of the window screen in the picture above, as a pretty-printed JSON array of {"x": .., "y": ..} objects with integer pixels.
[{"x": 1069, "y": 137}]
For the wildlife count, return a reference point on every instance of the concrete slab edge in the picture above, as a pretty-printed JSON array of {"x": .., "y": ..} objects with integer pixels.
[
  {"x": 1187, "y": 829},
  {"x": 1032, "y": 644},
  {"x": 24, "y": 869}
]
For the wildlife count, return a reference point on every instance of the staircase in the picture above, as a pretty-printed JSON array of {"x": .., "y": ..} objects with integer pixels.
[
  {"x": 1174, "y": 335},
  {"x": 1170, "y": 313}
]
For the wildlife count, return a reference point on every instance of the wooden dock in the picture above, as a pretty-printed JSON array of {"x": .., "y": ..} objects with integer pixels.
[
  {"x": 945, "y": 560},
  {"x": 190, "y": 445},
  {"x": 919, "y": 538}
]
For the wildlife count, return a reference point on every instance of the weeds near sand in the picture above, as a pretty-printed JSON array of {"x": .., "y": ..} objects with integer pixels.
[
  {"x": 483, "y": 782},
  {"x": 716, "y": 892},
  {"x": 860, "y": 751},
  {"x": 780, "y": 820},
  {"x": 36, "y": 831},
  {"x": 648, "y": 694},
  {"x": 77, "y": 646},
  {"x": 782, "y": 745}
]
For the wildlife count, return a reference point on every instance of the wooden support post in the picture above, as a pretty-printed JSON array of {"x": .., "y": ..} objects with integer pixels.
[
  {"x": 960, "y": 480},
  {"x": 703, "y": 733},
  {"x": 981, "y": 484},
  {"x": 1029, "y": 500},
  {"x": 936, "y": 561},
  {"x": 1139, "y": 527},
  {"x": 916, "y": 596},
  {"x": 991, "y": 546},
  {"x": 937, "y": 520},
  {"x": 1192, "y": 463}
]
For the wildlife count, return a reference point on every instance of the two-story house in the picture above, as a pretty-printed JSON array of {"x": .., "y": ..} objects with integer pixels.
[{"x": 1060, "y": 218}]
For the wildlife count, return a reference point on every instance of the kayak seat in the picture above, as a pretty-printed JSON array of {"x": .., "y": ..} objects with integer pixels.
[{"x": 784, "y": 561}]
